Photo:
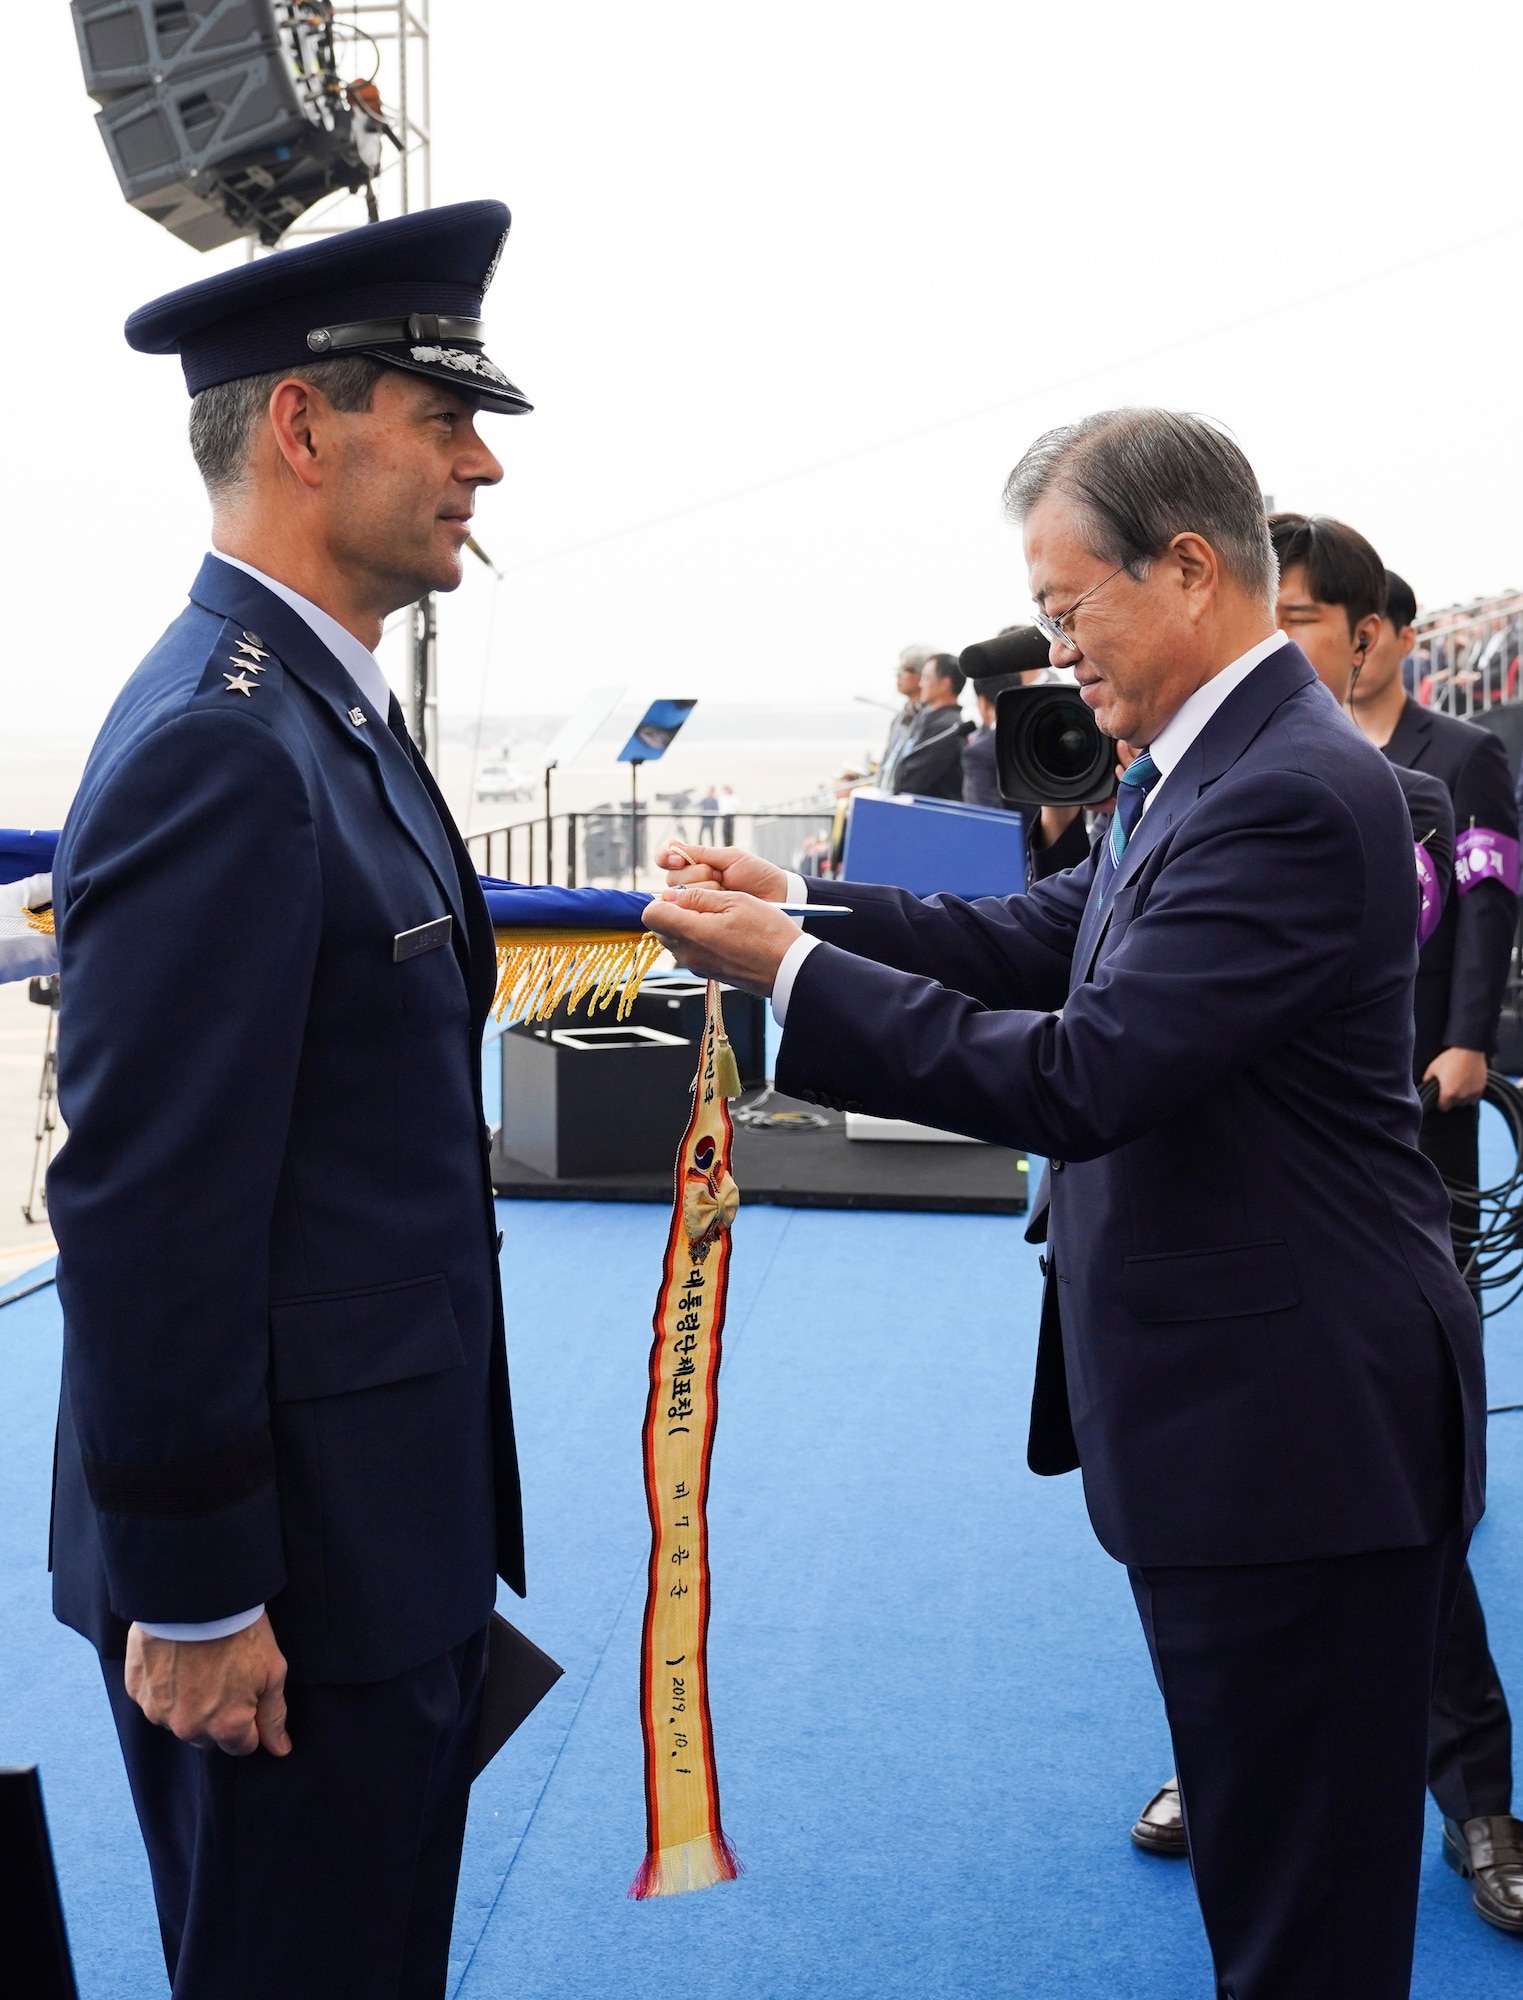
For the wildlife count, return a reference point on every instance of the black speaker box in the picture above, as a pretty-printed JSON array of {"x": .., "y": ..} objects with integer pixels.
[
  {"x": 583, "y": 1100},
  {"x": 135, "y": 44},
  {"x": 675, "y": 1001}
]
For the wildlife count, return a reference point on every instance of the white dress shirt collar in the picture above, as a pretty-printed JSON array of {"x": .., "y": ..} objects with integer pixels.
[
  {"x": 357, "y": 661},
  {"x": 1186, "y": 723}
]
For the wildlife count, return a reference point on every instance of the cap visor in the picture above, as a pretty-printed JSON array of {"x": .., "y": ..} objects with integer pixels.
[{"x": 462, "y": 368}]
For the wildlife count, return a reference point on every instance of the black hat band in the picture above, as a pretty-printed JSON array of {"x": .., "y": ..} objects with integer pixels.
[{"x": 387, "y": 332}]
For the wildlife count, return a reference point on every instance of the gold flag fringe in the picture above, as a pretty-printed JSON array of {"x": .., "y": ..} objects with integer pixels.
[{"x": 537, "y": 970}]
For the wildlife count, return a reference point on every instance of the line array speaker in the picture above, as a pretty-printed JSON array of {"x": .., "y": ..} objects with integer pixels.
[{"x": 220, "y": 118}]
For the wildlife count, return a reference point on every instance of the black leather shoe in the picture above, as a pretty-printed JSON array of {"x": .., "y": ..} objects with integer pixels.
[
  {"x": 1160, "y": 1827},
  {"x": 1490, "y": 1852}
]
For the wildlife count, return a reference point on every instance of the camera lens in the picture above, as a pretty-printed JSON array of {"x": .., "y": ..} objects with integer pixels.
[
  {"x": 1060, "y": 746},
  {"x": 1049, "y": 749}
]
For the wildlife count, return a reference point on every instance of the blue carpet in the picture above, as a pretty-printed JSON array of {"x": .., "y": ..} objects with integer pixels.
[{"x": 933, "y": 1709}]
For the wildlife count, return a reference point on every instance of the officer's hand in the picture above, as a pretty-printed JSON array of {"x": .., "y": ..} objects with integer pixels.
[
  {"x": 1461, "y": 1077},
  {"x": 223, "y": 1694},
  {"x": 720, "y": 935},
  {"x": 726, "y": 868}
]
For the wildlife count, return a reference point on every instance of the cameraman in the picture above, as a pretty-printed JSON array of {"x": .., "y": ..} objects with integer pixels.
[{"x": 1056, "y": 836}]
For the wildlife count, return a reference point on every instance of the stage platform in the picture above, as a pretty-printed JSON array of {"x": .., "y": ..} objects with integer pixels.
[
  {"x": 812, "y": 1164},
  {"x": 933, "y": 1710}
]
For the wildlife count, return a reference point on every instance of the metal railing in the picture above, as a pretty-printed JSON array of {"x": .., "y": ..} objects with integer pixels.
[
  {"x": 607, "y": 847},
  {"x": 1469, "y": 657}
]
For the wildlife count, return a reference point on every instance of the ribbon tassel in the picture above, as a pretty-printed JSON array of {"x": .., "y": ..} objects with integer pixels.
[{"x": 685, "y": 1845}]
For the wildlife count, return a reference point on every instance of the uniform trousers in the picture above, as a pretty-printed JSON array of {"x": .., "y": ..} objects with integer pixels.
[
  {"x": 1298, "y": 1697},
  {"x": 327, "y": 1873}
]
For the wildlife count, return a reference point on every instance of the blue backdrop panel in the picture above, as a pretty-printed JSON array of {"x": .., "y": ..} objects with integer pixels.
[
  {"x": 930, "y": 846},
  {"x": 933, "y": 1709}
]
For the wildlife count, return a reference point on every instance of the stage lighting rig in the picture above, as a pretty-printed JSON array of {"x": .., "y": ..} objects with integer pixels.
[{"x": 228, "y": 118}]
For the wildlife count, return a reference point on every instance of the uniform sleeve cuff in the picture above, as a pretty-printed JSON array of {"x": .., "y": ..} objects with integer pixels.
[
  {"x": 213, "y": 1628},
  {"x": 787, "y": 972}
]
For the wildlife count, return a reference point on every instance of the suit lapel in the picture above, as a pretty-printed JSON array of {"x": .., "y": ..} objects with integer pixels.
[
  {"x": 232, "y": 593},
  {"x": 1412, "y": 738},
  {"x": 1216, "y": 749}
]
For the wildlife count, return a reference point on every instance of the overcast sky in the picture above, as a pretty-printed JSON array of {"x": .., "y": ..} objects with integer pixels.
[{"x": 842, "y": 261}]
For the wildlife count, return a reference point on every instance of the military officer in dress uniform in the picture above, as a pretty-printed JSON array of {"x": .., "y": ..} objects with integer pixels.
[{"x": 286, "y": 1482}]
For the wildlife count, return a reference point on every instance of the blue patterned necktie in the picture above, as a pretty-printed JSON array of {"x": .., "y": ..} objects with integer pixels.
[{"x": 1137, "y": 780}]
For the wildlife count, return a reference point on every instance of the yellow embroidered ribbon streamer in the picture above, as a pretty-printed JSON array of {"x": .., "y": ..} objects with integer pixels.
[
  {"x": 537, "y": 970},
  {"x": 685, "y": 1844}
]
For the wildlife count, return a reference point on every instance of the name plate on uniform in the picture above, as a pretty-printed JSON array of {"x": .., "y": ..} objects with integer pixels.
[{"x": 427, "y": 937}]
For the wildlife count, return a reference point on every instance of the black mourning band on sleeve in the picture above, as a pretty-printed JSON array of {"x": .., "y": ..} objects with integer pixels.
[{"x": 185, "y": 1486}]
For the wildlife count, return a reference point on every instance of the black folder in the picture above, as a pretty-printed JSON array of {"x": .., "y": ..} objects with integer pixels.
[
  {"x": 34, "y": 1947},
  {"x": 519, "y": 1676}
]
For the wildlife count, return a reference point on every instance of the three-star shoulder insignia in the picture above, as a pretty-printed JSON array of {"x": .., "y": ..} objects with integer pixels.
[{"x": 239, "y": 684}]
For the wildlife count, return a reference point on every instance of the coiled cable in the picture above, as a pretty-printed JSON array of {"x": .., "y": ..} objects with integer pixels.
[{"x": 1490, "y": 1219}]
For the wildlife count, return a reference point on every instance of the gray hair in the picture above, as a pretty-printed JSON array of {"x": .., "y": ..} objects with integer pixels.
[
  {"x": 223, "y": 419},
  {"x": 916, "y": 656},
  {"x": 1141, "y": 477}
]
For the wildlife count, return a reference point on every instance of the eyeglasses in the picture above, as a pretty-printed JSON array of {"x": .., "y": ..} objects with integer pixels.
[{"x": 1054, "y": 625}]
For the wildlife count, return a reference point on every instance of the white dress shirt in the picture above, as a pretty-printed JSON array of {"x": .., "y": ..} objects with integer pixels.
[
  {"x": 1166, "y": 749},
  {"x": 371, "y": 685}
]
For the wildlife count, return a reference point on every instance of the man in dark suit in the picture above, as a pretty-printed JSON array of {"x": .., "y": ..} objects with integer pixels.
[
  {"x": 1272, "y": 1383},
  {"x": 1332, "y": 591},
  {"x": 286, "y": 1479},
  {"x": 930, "y": 763},
  {"x": 1462, "y": 972},
  {"x": 1461, "y": 977}
]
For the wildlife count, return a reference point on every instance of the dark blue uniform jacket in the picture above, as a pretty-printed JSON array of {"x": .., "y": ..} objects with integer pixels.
[
  {"x": 1255, "y": 1340},
  {"x": 284, "y": 1371}
]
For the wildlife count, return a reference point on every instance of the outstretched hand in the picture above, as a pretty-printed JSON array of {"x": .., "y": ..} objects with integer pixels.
[
  {"x": 223, "y": 1694},
  {"x": 721, "y": 935},
  {"x": 724, "y": 868}
]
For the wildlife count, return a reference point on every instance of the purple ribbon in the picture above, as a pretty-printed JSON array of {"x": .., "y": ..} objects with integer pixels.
[
  {"x": 1483, "y": 856},
  {"x": 1431, "y": 904}
]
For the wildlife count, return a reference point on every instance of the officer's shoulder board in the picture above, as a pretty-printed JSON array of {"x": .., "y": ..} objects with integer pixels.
[{"x": 241, "y": 670}]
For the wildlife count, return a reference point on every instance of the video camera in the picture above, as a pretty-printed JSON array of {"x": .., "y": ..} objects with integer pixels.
[{"x": 1048, "y": 748}]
